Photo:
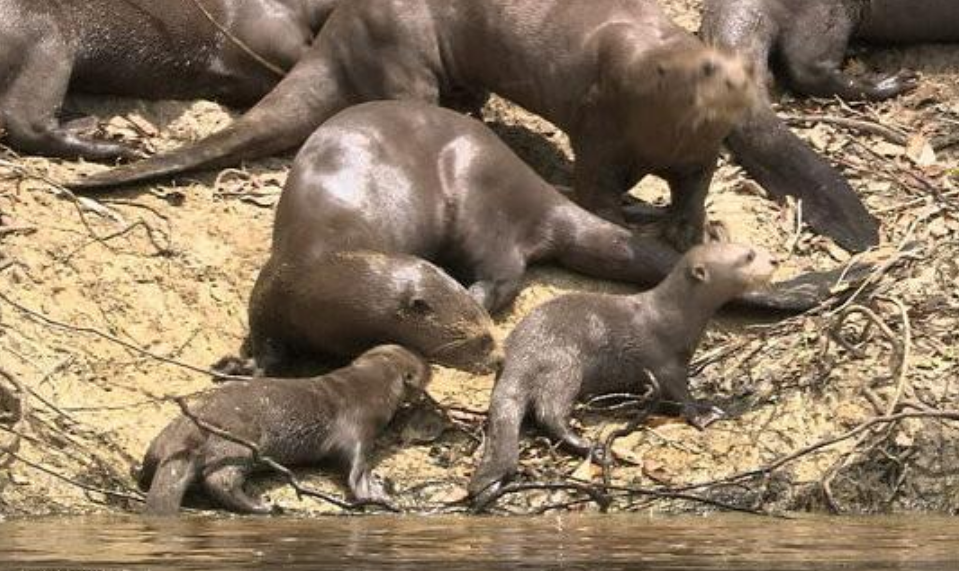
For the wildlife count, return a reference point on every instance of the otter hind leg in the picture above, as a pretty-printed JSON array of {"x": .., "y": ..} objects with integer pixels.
[
  {"x": 553, "y": 408},
  {"x": 29, "y": 104},
  {"x": 814, "y": 50},
  {"x": 225, "y": 486}
]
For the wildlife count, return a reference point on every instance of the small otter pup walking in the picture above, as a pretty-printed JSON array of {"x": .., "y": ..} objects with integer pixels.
[
  {"x": 293, "y": 421},
  {"x": 588, "y": 344}
]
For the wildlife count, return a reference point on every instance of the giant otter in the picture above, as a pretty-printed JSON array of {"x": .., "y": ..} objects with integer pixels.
[
  {"x": 636, "y": 93},
  {"x": 810, "y": 38},
  {"x": 383, "y": 187},
  {"x": 589, "y": 344},
  {"x": 139, "y": 48},
  {"x": 294, "y": 422}
]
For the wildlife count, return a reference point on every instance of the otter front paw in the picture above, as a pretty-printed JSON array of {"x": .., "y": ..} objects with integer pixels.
[{"x": 701, "y": 415}]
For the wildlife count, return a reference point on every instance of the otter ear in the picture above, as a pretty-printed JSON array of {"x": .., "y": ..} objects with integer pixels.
[{"x": 699, "y": 273}]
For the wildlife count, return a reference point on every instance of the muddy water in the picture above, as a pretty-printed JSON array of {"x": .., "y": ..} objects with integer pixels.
[{"x": 452, "y": 544}]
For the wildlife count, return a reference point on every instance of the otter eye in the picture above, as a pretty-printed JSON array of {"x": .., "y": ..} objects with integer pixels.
[
  {"x": 409, "y": 377},
  {"x": 420, "y": 305},
  {"x": 709, "y": 68},
  {"x": 750, "y": 256}
]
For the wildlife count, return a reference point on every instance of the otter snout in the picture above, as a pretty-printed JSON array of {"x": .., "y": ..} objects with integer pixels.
[
  {"x": 479, "y": 355},
  {"x": 493, "y": 359},
  {"x": 728, "y": 83},
  {"x": 761, "y": 267}
]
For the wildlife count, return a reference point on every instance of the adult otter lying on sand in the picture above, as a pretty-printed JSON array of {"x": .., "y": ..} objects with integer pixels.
[
  {"x": 589, "y": 344},
  {"x": 636, "y": 93},
  {"x": 385, "y": 190},
  {"x": 294, "y": 422},
  {"x": 810, "y": 38},
  {"x": 157, "y": 49}
]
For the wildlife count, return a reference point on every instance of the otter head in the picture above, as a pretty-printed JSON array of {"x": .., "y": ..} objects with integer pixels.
[
  {"x": 703, "y": 87},
  {"x": 411, "y": 369},
  {"x": 727, "y": 270},
  {"x": 672, "y": 96},
  {"x": 436, "y": 316},
  {"x": 713, "y": 86}
]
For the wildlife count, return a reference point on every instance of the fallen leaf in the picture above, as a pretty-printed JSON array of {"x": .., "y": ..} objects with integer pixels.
[{"x": 920, "y": 151}]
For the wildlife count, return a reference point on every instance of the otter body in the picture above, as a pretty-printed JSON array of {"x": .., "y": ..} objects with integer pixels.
[
  {"x": 157, "y": 49},
  {"x": 636, "y": 93},
  {"x": 293, "y": 421},
  {"x": 585, "y": 344}
]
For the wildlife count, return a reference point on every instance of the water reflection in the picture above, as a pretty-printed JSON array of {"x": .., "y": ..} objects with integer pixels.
[{"x": 452, "y": 544}]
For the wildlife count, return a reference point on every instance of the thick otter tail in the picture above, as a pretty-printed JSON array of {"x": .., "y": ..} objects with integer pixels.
[
  {"x": 283, "y": 120},
  {"x": 168, "y": 483},
  {"x": 784, "y": 165},
  {"x": 501, "y": 451}
]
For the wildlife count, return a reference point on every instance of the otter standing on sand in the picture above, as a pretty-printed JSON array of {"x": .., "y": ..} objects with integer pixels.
[
  {"x": 810, "y": 38},
  {"x": 587, "y": 344},
  {"x": 295, "y": 422},
  {"x": 385, "y": 186},
  {"x": 158, "y": 49},
  {"x": 637, "y": 94}
]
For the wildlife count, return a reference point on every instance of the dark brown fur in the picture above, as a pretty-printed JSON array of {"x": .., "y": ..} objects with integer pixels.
[
  {"x": 586, "y": 344},
  {"x": 810, "y": 38},
  {"x": 636, "y": 93},
  {"x": 138, "y": 48},
  {"x": 295, "y": 422}
]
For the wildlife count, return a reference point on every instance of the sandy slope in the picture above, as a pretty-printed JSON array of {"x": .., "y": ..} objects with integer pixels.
[{"x": 169, "y": 270}]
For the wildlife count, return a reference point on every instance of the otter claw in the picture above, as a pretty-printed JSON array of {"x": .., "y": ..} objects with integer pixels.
[
  {"x": 701, "y": 416},
  {"x": 599, "y": 455}
]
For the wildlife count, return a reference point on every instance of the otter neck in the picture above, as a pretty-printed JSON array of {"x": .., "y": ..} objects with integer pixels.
[
  {"x": 678, "y": 300},
  {"x": 379, "y": 387}
]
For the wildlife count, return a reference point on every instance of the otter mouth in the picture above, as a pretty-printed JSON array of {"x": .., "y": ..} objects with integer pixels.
[
  {"x": 472, "y": 355},
  {"x": 759, "y": 281}
]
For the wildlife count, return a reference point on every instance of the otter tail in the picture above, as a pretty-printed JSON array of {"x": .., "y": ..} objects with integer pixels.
[
  {"x": 784, "y": 165},
  {"x": 168, "y": 482},
  {"x": 283, "y": 120},
  {"x": 501, "y": 451},
  {"x": 772, "y": 154}
]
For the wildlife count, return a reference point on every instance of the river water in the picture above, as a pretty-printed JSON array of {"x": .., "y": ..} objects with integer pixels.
[{"x": 597, "y": 543}]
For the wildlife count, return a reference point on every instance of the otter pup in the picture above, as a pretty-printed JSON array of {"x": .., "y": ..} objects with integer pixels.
[
  {"x": 587, "y": 344},
  {"x": 158, "y": 49},
  {"x": 293, "y": 421},
  {"x": 637, "y": 94}
]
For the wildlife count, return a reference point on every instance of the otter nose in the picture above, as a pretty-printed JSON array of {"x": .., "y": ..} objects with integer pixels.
[{"x": 709, "y": 67}]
